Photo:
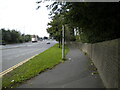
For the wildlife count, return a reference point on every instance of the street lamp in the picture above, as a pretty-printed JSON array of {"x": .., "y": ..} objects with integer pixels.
[{"x": 63, "y": 45}]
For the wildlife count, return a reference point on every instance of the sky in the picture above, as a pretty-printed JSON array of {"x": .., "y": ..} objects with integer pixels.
[{"x": 22, "y": 16}]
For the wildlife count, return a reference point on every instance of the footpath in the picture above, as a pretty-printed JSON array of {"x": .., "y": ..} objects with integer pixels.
[{"x": 76, "y": 72}]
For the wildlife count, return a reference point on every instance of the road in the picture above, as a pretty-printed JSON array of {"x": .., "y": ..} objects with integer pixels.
[{"x": 15, "y": 53}]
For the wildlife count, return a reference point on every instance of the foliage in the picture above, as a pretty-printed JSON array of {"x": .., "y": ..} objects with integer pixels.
[
  {"x": 99, "y": 21},
  {"x": 57, "y": 23},
  {"x": 13, "y": 36},
  {"x": 45, "y": 37},
  {"x": 55, "y": 29},
  {"x": 95, "y": 21}
]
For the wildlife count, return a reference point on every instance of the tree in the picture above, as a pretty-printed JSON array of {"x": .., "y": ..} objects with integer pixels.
[
  {"x": 45, "y": 37},
  {"x": 13, "y": 36},
  {"x": 95, "y": 21},
  {"x": 55, "y": 28}
]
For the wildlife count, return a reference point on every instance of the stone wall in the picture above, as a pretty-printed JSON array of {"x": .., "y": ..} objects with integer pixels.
[{"x": 105, "y": 57}]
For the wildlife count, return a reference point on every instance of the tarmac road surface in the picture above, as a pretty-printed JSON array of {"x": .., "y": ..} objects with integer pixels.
[{"x": 14, "y": 53}]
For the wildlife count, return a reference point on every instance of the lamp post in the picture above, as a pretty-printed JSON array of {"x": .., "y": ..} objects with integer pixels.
[{"x": 63, "y": 45}]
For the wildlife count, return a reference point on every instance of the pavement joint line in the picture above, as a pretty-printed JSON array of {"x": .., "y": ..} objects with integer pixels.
[{"x": 15, "y": 66}]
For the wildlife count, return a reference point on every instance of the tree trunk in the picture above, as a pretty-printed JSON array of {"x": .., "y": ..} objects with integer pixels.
[{"x": 59, "y": 43}]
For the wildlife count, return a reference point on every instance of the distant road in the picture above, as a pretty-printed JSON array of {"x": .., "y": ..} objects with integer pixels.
[{"x": 14, "y": 53}]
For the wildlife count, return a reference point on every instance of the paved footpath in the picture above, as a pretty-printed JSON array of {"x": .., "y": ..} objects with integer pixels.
[{"x": 73, "y": 73}]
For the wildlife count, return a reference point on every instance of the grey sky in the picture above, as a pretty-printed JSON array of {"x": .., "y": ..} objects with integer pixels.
[{"x": 23, "y": 16}]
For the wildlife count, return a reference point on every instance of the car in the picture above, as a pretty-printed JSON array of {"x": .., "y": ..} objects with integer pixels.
[
  {"x": 2, "y": 43},
  {"x": 48, "y": 42}
]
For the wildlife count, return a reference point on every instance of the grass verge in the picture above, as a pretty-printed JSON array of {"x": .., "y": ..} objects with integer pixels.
[{"x": 45, "y": 60}]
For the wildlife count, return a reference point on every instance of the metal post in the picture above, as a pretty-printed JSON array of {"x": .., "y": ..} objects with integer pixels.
[{"x": 63, "y": 56}]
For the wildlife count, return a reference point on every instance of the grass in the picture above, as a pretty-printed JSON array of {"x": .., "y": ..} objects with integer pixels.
[{"x": 46, "y": 60}]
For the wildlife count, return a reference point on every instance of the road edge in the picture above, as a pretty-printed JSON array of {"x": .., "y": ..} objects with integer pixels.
[{"x": 15, "y": 66}]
